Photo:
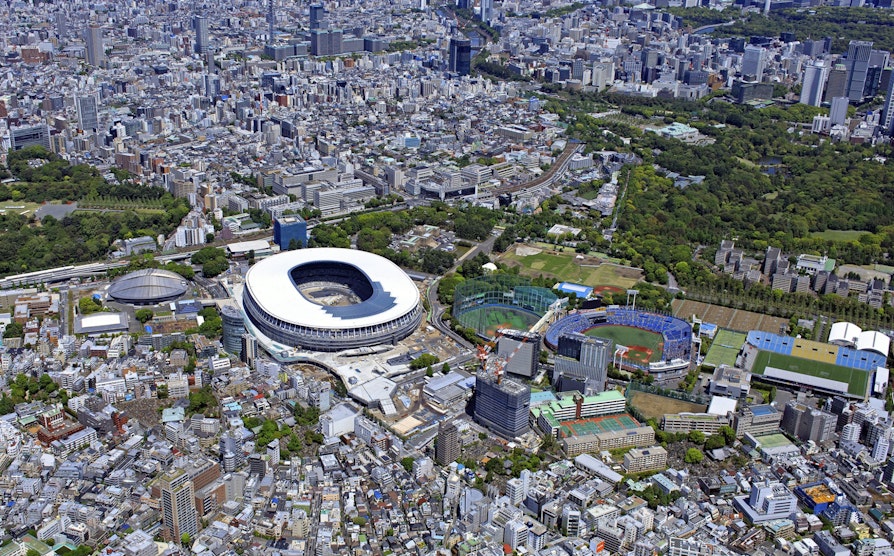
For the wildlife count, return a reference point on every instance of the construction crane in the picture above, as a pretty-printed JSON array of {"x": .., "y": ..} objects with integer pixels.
[
  {"x": 499, "y": 364},
  {"x": 484, "y": 351}
]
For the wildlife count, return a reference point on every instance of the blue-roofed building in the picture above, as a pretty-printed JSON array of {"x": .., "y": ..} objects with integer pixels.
[
  {"x": 188, "y": 306},
  {"x": 707, "y": 330},
  {"x": 577, "y": 289},
  {"x": 538, "y": 398}
]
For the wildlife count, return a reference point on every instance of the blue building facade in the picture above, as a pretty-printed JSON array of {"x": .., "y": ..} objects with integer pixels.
[{"x": 288, "y": 228}]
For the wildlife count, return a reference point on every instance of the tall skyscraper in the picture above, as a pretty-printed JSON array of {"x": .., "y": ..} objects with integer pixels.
[
  {"x": 836, "y": 85},
  {"x": 502, "y": 405},
  {"x": 61, "y": 25},
  {"x": 586, "y": 357},
  {"x": 317, "y": 17},
  {"x": 857, "y": 63},
  {"x": 814, "y": 82},
  {"x": 873, "y": 78},
  {"x": 753, "y": 62},
  {"x": 838, "y": 112},
  {"x": 271, "y": 22},
  {"x": 233, "y": 329},
  {"x": 878, "y": 60},
  {"x": 487, "y": 10},
  {"x": 249, "y": 350},
  {"x": 231, "y": 452},
  {"x": 460, "y": 59},
  {"x": 200, "y": 26},
  {"x": 447, "y": 444},
  {"x": 212, "y": 85},
  {"x": 88, "y": 113},
  {"x": 96, "y": 54},
  {"x": 178, "y": 508},
  {"x": 888, "y": 110},
  {"x": 326, "y": 42}
]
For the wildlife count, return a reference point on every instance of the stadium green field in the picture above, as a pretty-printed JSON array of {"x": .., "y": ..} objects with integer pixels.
[
  {"x": 857, "y": 380},
  {"x": 487, "y": 320},
  {"x": 724, "y": 348},
  {"x": 630, "y": 336}
]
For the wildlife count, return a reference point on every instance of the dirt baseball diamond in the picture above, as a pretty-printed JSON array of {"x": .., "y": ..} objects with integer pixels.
[
  {"x": 600, "y": 290},
  {"x": 639, "y": 354}
]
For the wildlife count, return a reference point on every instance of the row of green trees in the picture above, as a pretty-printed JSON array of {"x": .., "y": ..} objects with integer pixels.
[{"x": 80, "y": 236}]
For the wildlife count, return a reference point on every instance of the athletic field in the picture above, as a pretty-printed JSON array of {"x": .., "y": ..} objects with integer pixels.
[
  {"x": 645, "y": 346},
  {"x": 487, "y": 320},
  {"x": 566, "y": 266},
  {"x": 856, "y": 380},
  {"x": 654, "y": 406},
  {"x": 724, "y": 349}
]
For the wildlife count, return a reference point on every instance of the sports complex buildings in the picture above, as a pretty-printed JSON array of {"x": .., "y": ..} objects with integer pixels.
[
  {"x": 853, "y": 363},
  {"x": 668, "y": 358}
]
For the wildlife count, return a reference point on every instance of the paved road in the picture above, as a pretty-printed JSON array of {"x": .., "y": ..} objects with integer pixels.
[{"x": 437, "y": 310}]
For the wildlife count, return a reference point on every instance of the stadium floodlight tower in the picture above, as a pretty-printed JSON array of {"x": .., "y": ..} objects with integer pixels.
[
  {"x": 618, "y": 357},
  {"x": 629, "y": 294}
]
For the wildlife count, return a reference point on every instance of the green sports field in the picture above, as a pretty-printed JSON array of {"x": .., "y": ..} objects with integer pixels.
[
  {"x": 857, "y": 380},
  {"x": 651, "y": 343},
  {"x": 565, "y": 266},
  {"x": 724, "y": 349},
  {"x": 487, "y": 320}
]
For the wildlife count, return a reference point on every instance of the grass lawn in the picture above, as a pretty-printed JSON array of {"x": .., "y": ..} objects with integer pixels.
[
  {"x": 856, "y": 379},
  {"x": 460, "y": 251},
  {"x": 18, "y": 207},
  {"x": 566, "y": 267},
  {"x": 653, "y": 406},
  {"x": 839, "y": 235},
  {"x": 724, "y": 349}
]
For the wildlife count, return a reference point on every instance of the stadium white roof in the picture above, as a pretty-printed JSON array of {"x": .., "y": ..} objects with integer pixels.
[
  {"x": 847, "y": 333},
  {"x": 272, "y": 288},
  {"x": 874, "y": 341}
]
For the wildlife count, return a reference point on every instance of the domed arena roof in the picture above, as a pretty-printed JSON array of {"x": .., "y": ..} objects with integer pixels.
[{"x": 148, "y": 287}]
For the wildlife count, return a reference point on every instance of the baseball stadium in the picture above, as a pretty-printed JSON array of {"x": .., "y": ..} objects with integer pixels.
[
  {"x": 490, "y": 303},
  {"x": 801, "y": 363},
  {"x": 655, "y": 342}
]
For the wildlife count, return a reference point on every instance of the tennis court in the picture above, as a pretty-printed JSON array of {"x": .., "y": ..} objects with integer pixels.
[
  {"x": 597, "y": 425},
  {"x": 725, "y": 347}
]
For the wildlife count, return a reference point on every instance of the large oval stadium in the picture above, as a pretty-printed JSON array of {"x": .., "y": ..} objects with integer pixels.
[{"x": 330, "y": 299}]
